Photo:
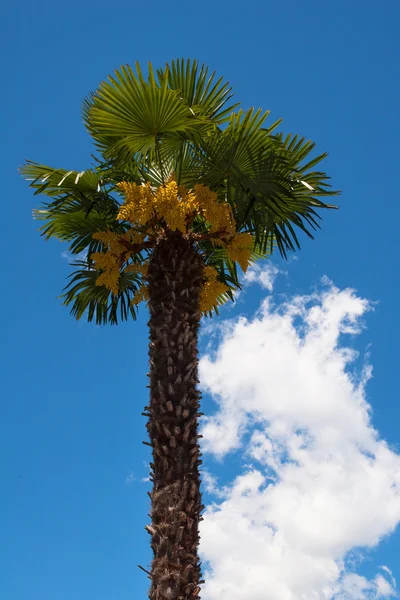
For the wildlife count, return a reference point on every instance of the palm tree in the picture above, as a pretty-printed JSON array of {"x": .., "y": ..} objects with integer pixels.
[{"x": 184, "y": 191}]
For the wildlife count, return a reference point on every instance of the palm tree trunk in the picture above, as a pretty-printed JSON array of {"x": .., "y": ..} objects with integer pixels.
[{"x": 175, "y": 281}]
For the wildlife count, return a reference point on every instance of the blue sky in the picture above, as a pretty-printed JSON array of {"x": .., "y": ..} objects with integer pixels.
[{"x": 73, "y": 503}]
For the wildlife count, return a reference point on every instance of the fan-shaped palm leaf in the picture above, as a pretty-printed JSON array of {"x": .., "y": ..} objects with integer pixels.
[
  {"x": 53, "y": 182},
  {"x": 97, "y": 303},
  {"x": 128, "y": 116},
  {"x": 203, "y": 93}
]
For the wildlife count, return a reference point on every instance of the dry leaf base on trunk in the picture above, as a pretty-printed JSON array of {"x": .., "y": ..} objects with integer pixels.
[{"x": 175, "y": 279}]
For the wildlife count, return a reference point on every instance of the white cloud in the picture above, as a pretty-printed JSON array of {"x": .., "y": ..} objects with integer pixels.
[
  {"x": 355, "y": 587},
  {"x": 321, "y": 482},
  {"x": 383, "y": 587},
  {"x": 389, "y": 575},
  {"x": 210, "y": 484},
  {"x": 264, "y": 274},
  {"x": 130, "y": 478},
  {"x": 71, "y": 258}
]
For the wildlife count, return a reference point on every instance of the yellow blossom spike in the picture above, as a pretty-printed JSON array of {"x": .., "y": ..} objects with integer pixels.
[
  {"x": 141, "y": 295},
  {"x": 170, "y": 207},
  {"x": 218, "y": 214},
  {"x": 210, "y": 273},
  {"x": 110, "y": 239},
  {"x": 108, "y": 262},
  {"x": 105, "y": 260},
  {"x": 139, "y": 203},
  {"x": 209, "y": 295},
  {"x": 141, "y": 268},
  {"x": 239, "y": 249},
  {"x": 110, "y": 280},
  {"x": 174, "y": 207}
]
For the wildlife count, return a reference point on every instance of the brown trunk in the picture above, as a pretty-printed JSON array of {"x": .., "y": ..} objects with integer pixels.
[{"x": 175, "y": 281}]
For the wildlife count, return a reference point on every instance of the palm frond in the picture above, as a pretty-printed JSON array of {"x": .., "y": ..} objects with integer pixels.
[
  {"x": 128, "y": 116},
  {"x": 266, "y": 180},
  {"x": 203, "y": 93},
  {"x": 78, "y": 204},
  {"x": 53, "y": 182},
  {"x": 77, "y": 227},
  {"x": 225, "y": 156},
  {"x": 97, "y": 303}
]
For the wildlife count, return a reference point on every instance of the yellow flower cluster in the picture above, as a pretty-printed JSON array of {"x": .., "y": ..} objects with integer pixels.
[
  {"x": 209, "y": 295},
  {"x": 219, "y": 215},
  {"x": 170, "y": 203},
  {"x": 141, "y": 295},
  {"x": 141, "y": 268},
  {"x": 139, "y": 204},
  {"x": 212, "y": 288},
  {"x": 109, "y": 262},
  {"x": 172, "y": 206},
  {"x": 210, "y": 273},
  {"x": 175, "y": 205},
  {"x": 239, "y": 249}
]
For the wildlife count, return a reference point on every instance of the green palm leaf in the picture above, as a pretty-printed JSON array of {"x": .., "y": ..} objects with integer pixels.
[
  {"x": 79, "y": 205},
  {"x": 77, "y": 227},
  {"x": 271, "y": 191},
  {"x": 53, "y": 182},
  {"x": 128, "y": 116},
  {"x": 96, "y": 302},
  {"x": 204, "y": 94}
]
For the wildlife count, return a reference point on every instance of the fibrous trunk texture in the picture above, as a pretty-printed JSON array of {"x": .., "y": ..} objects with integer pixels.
[{"x": 175, "y": 279}]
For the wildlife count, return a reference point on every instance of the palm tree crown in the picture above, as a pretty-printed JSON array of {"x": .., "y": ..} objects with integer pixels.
[{"x": 173, "y": 155}]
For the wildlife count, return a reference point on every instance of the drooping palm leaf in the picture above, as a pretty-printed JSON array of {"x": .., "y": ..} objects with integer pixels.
[
  {"x": 77, "y": 227},
  {"x": 70, "y": 191},
  {"x": 78, "y": 205},
  {"x": 52, "y": 182},
  {"x": 96, "y": 302},
  {"x": 294, "y": 206}
]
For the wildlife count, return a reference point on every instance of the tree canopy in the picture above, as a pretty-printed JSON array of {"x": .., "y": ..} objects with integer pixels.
[{"x": 174, "y": 153}]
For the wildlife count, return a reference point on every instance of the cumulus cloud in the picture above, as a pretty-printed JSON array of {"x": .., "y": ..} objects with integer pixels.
[
  {"x": 318, "y": 482},
  {"x": 354, "y": 587},
  {"x": 71, "y": 258},
  {"x": 130, "y": 478},
  {"x": 210, "y": 484},
  {"x": 264, "y": 274}
]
